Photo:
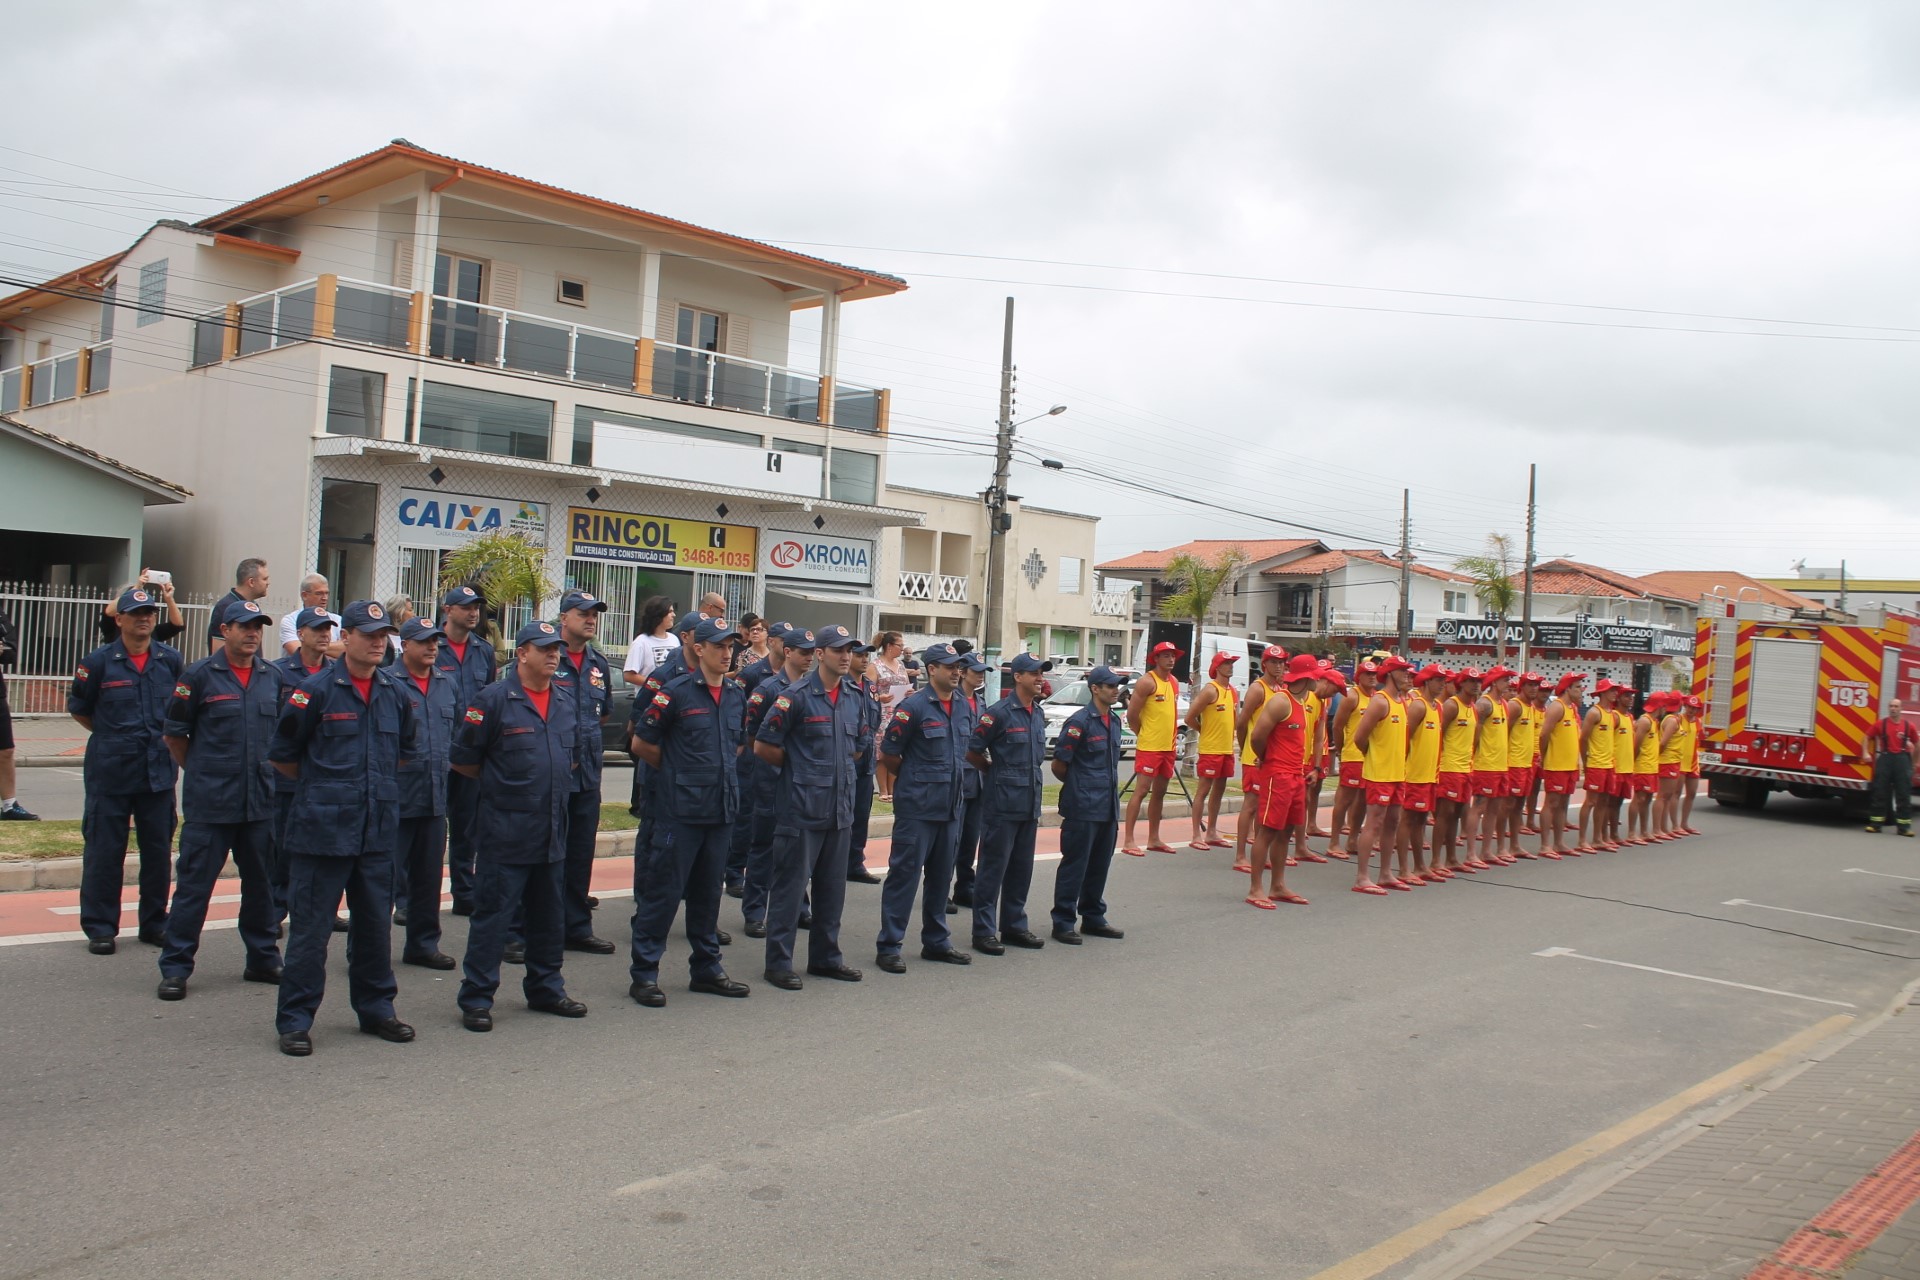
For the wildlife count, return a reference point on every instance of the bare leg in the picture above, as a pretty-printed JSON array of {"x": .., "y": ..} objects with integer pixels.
[
  {"x": 1140, "y": 786},
  {"x": 1155, "y": 802},
  {"x": 1371, "y": 827},
  {"x": 7, "y": 776},
  {"x": 1245, "y": 828},
  {"x": 1687, "y": 794},
  {"x": 1213, "y": 807}
]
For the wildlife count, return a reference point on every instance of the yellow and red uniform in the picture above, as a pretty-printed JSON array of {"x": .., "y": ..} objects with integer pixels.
[
  {"x": 1216, "y": 732},
  {"x": 1423, "y": 758},
  {"x": 1599, "y": 760},
  {"x": 1673, "y": 752},
  {"x": 1646, "y": 760},
  {"x": 1490, "y": 757},
  {"x": 1560, "y": 754},
  {"x": 1283, "y": 803},
  {"x": 1455, "y": 780},
  {"x": 1384, "y": 766},
  {"x": 1352, "y": 759},
  {"x": 1252, "y": 772},
  {"x": 1153, "y": 753},
  {"x": 1626, "y": 759},
  {"x": 1523, "y": 738}
]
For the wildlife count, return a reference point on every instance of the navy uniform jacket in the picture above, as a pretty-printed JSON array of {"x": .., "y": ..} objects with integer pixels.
[
  {"x": 526, "y": 770},
  {"x": 1015, "y": 740},
  {"x": 230, "y": 727},
  {"x": 346, "y": 801},
  {"x": 125, "y": 753},
  {"x": 473, "y": 675},
  {"x": 869, "y": 721},
  {"x": 423, "y": 770},
  {"x": 591, "y": 685},
  {"x": 699, "y": 737},
  {"x": 293, "y": 674},
  {"x": 671, "y": 667},
  {"x": 815, "y": 788},
  {"x": 973, "y": 782},
  {"x": 930, "y": 738},
  {"x": 754, "y": 672},
  {"x": 1089, "y": 745}
]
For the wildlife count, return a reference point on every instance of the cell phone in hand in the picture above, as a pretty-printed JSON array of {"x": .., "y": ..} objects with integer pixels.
[{"x": 157, "y": 578}]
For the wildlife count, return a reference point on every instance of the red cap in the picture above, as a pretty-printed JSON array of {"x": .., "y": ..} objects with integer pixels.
[
  {"x": 1221, "y": 660},
  {"x": 1498, "y": 671},
  {"x": 1166, "y": 646},
  {"x": 1464, "y": 674},
  {"x": 1569, "y": 680},
  {"x": 1533, "y": 677},
  {"x": 1333, "y": 674},
  {"x": 1305, "y": 663},
  {"x": 1296, "y": 676},
  {"x": 1366, "y": 666},
  {"x": 1273, "y": 653},
  {"x": 1693, "y": 701},
  {"x": 1430, "y": 672},
  {"x": 1605, "y": 686},
  {"x": 1392, "y": 662}
]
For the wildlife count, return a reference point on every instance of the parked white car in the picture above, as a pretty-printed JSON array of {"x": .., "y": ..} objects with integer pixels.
[{"x": 1068, "y": 699}]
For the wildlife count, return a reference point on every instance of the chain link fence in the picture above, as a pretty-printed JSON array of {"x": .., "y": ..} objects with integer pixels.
[{"x": 56, "y": 626}]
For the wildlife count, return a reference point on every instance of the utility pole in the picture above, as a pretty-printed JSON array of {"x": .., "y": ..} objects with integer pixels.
[
  {"x": 1843, "y": 586},
  {"x": 992, "y": 621},
  {"x": 1526, "y": 576},
  {"x": 1406, "y": 573}
]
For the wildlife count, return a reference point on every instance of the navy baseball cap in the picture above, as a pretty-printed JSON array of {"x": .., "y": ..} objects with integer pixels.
[
  {"x": 801, "y": 639},
  {"x": 973, "y": 661},
  {"x": 418, "y": 628},
  {"x": 942, "y": 655},
  {"x": 366, "y": 617},
  {"x": 1104, "y": 674},
  {"x": 582, "y": 600},
  {"x": 462, "y": 595},
  {"x": 1023, "y": 662},
  {"x": 687, "y": 622},
  {"x": 136, "y": 598},
  {"x": 313, "y": 618},
  {"x": 713, "y": 630},
  {"x": 245, "y": 612},
  {"x": 541, "y": 635},
  {"x": 834, "y": 637}
]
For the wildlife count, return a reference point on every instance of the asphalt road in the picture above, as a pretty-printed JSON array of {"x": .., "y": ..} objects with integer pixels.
[{"x": 1227, "y": 1092}]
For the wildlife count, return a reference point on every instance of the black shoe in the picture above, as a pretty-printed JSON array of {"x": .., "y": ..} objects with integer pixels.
[
  {"x": 597, "y": 946},
  {"x": 339, "y": 923},
  {"x": 1101, "y": 931},
  {"x": 391, "y": 1030},
  {"x": 963, "y": 897},
  {"x": 953, "y": 909},
  {"x": 724, "y": 938},
  {"x": 1069, "y": 936},
  {"x": 564, "y": 1007},
  {"x": 460, "y": 908},
  {"x": 864, "y": 876},
  {"x": 647, "y": 995},
  {"x": 14, "y": 813},
  {"x": 432, "y": 960},
  {"x": 785, "y": 979},
  {"x": 173, "y": 988},
  {"x": 154, "y": 936},
  {"x": 756, "y": 928},
  {"x": 890, "y": 962},
  {"x": 271, "y": 977},
  {"x": 593, "y": 903},
  {"x": 514, "y": 953},
  {"x": 720, "y": 985},
  {"x": 945, "y": 955},
  {"x": 1022, "y": 938},
  {"x": 987, "y": 944},
  {"x": 838, "y": 972},
  {"x": 477, "y": 1019},
  {"x": 399, "y": 917},
  {"x": 736, "y": 890},
  {"x": 296, "y": 1044},
  {"x": 102, "y": 946},
  {"x": 806, "y": 920}
]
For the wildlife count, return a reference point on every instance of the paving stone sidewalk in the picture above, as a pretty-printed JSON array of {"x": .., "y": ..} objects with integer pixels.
[{"x": 1723, "y": 1201}]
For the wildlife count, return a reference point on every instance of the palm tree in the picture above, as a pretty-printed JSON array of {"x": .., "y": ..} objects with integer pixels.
[
  {"x": 1195, "y": 581},
  {"x": 505, "y": 568},
  {"x": 1492, "y": 576}
]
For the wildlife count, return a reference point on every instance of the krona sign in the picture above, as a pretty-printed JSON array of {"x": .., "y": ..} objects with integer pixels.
[{"x": 790, "y": 554}]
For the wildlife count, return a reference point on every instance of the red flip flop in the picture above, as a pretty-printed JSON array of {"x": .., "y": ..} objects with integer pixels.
[
  {"x": 1292, "y": 899},
  {"x": 1341, "y": 854},
  {"x": 1369, "y": 886},
  {"x": 1161, "y": 848},
  {"x": 1552, "y": 855},
  {"x": 1243, "y": 868},
  {"x": 1293, "y": 862},
  {"x": 1265, "y": 904},
  {"x": 1201, "y": 845},
  {"x": 1133, "y": 852},
  {"x": 1311, "y": 857},
  {"x": 1401, "y": 885},
  {"x": 1528, "y": 856},
  {"x": 1220, "y": 844}
]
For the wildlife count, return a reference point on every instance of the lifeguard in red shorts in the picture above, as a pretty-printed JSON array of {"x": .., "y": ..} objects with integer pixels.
[
  {"x": 1279, "y": 734},
  {"x": 1559, "y": 763},
  {"x": 1273, "y": 660},
  {"x": 1153, "y": 713}
]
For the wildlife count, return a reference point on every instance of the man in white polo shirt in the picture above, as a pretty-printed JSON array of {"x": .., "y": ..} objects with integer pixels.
[{"x": 314, "y": 594}]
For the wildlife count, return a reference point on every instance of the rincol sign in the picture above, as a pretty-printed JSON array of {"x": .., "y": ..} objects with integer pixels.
[
  {"x": 432, "y": 519},
  {"x": 628, "y": 537},
  {"x": 818, "y": 557}
]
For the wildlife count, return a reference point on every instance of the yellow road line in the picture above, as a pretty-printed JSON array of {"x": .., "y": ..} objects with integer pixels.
[{"x": 1399, "y": 1248}]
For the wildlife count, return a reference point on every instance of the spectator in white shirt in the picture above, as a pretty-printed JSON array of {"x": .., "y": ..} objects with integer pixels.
[
  {"x": 655, "y": 641},
  {"x": 314, "y": 594}
]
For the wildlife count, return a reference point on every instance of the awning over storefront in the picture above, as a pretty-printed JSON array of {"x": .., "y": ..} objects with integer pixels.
[{"x": 819, "y": 596}]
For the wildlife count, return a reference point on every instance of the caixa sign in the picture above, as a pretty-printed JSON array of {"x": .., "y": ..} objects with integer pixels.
[
  {"x": 431, "y": 519},
  {"x": 817, "y": 557}
]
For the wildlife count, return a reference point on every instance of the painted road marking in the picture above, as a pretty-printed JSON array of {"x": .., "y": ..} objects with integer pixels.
[
  {"x": 1761, "y": 906},
  {"x": 29, "y": 939},
  {"x": 1571, "y": 954},
  {"x": 1862, "y": 871},
  {"x": 1397, "y": 1249}
]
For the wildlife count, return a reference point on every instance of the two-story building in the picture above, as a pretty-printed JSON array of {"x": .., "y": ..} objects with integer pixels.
[{"x": 362, "y": 369}]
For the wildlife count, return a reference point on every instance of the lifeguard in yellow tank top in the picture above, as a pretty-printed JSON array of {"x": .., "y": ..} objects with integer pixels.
[
  {"x": 1423, "y": 757},
  {"x": 1490, "y": 758},
  {"x": 1600, "y": 746},
  {"x": 1646, "y": 759},
  {"x": 1216, "y": 722},
  {"x": 1159, "y": 716},
  {"x": 1673, "y": 752},
  {"x": 1523, "y": 740},
  {"x": 1311, "y": 707},
  {"x": 1626, "y": 760},
  {"x": 1249, "y": 758},
  {"x": 1385, "y": 759},
  {"x": 1560, "y": 753},
  {"x": 1455, "y": 781},
  {"x": 1690, "y": 759}
]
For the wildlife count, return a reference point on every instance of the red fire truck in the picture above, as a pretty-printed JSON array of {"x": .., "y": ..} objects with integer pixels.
[{"x": 1792, "y": 698}]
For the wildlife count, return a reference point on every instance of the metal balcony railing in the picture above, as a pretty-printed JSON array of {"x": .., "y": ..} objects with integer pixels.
[{"x": 65, "y": 375}]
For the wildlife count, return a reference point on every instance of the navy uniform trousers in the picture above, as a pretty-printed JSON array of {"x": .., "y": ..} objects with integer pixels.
[
  {"x": 203, "y": 855},
  {"x": 741, "y": 837},
  {"x": 693, "y": 855},
  {"x": 103, "y": 827},
  {"x": 1080, "y": 884},
  {"x": 803, "y": 860},
  {"x": 583, "y": 825},
  {"x": 537, "y": 888},
  {"x": 315, "y": 884},
  {"x": 967, "y": 849},
  {"x": 423, "y": 847},
  {"x": 1004, "y": 877},
  {"x": 921, "y": 861},
  {"x": 862, "y": 817},
  {"x": 463, "y": 816},
  {"x": 277, "y": 853},
  {"x": 758, "y": 880}
]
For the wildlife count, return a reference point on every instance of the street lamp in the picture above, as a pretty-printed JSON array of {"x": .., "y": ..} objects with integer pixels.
[{"x": 998, "y": 523}]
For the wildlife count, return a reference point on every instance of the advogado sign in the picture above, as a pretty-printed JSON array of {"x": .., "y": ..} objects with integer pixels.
[
  {"x": 432, "y": 519},
  {"x": 1603, "y": 637},
  {"x": 817, "y": 557}
]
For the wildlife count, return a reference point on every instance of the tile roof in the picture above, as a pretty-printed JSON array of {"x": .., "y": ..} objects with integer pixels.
[
  {"x": 142, "y": 478},
  {"x": 1692, "y": 584},
  {"x": 1573, "y": 578},
  {"x": 1257, "y": 549},
  {"x": 1332, "y": 561}
]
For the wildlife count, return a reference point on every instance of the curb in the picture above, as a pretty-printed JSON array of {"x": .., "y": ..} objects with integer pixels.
[
  {"x": 47, "y": 762},
  {"x": 64, "y": 873}
]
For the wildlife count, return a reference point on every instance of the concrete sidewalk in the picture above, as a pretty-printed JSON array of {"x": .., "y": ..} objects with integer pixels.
[
  {"x": 47, "y": 741},
  {"x": 1810, "y": 1175}
]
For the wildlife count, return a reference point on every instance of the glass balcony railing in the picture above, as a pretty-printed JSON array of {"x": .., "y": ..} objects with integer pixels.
[{"x": 65, "y": 375}]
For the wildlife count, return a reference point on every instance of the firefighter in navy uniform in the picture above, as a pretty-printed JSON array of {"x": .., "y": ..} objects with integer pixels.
[
  {"x": 750, "y": 677},
  {"x": 870, "y": 725},
  {"x": 220, "y": 724},
  {"x": 584, "y": 673},
  {"x": 1086, "y": 759},
  {"x": 926, "y": 747},
  {"x": 1010, "y": 743},
  {"x": 973, "y": 678},
  {"x": 471, "y": 662},
  {"x": 691, "y": 734},
  {"x": 422, "y": 847},
  {"x": 520, "y": 741},
  {"x": 314, "y": 627},
  {"x": 796, "y": 661},
  {"x": 809, "y": 735},
  {"x": 340, "y": 738},
  {"x": 120, "y": 695}
]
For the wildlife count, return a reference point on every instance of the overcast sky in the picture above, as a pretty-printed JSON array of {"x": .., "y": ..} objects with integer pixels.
[{"x": 1269, "y": 205}]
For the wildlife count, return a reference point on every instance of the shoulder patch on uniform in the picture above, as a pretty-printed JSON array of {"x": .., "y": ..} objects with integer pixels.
[
  {"x": 474, "y": 714},
  {"x": 662, "y": 700},
  {"x": 757, "y": 698},
  {"x": 299, "y": 698},
  {"x": 594, "y": 675},
  {"x": 1073, "y": 731},
  {"x": 80, "y": 672},
  {"x": 986, "y": 719},
  {"x": 903, "y": 716},
  {"x": 783, "y": 702},
  {"x": 183, "y": 690}
]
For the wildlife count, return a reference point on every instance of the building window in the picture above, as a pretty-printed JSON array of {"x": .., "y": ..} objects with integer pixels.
[
  {"x": 1455, "y": 602},
  {"x": 571, "y": 291},
  {"x": 584, "y": 416},
  {"x": 854, "y": 477},
  {"x": 109, "y": 302},
  {"x": 1071, "y": 568},
  {"x": 485, "y": 421},
  {"x": 354, "y": 401},
  {"x": 153, "y": 292}
]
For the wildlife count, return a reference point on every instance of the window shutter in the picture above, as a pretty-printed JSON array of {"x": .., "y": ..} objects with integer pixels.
[
  {"x": 503, "y": 286},
  {"x": 739, "y": 336},
  {"x": 667, "y": 327},
  {"x": 403, "y": 264}
]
